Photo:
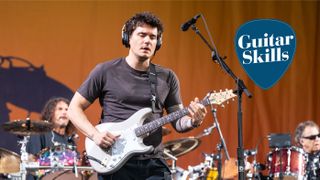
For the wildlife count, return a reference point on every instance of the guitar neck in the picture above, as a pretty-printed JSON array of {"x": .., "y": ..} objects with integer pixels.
[{"x": 151, "y": 126}]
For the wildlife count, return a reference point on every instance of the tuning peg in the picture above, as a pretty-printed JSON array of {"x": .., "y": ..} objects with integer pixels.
[
  {"x": 227, "y": 102},
  {"x": 222, "y": 105}
]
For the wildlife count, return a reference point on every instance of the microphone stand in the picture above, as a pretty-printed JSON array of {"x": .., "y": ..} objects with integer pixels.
[{"x": 240, "y": 89}]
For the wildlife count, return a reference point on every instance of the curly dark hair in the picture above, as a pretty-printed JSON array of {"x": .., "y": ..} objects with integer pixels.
[
  {"x": 141, "y": 19},
  {"x": 48, "y": 111},
  {"x": 300, "y": 128}
]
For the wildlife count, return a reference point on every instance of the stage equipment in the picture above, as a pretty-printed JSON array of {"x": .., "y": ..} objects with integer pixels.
[{"x": 240, "y": 89}]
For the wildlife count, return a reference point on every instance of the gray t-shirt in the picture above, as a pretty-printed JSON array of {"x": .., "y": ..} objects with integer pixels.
[{"x": 122, "y": 91}]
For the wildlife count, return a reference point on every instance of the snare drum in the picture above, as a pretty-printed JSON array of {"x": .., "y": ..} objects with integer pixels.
[{"x": 290, "y": 162}]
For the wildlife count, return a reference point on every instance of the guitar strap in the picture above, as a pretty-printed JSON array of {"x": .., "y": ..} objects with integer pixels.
[{"x": 153, "y": 84}]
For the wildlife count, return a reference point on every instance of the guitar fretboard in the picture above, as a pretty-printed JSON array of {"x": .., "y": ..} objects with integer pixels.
[{"x": 151, "y": 126}]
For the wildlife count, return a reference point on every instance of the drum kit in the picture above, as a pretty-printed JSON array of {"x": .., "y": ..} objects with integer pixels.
[
  {"x": 64, "y": 162},
  {"x": 57, "y": 162},
  {"x": 283, "y": 162}
]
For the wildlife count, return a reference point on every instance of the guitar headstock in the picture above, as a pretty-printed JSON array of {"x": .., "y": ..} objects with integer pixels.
[{"x": 220, "y": 97}]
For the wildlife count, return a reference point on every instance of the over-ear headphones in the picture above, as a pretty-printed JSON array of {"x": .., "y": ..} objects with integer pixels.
[{"x": 125, "y": 37}]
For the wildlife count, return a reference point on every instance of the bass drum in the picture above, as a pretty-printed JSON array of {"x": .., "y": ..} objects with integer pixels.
[{"x": 67, "y": 174}]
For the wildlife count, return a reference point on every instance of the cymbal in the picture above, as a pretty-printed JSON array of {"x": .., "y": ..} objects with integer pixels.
[
  {"x": 165, "y": 131},
  {"x": 9, "y": 161},
  {"x": 21, "y": 127},
  {"x": 181, "y": 146}
]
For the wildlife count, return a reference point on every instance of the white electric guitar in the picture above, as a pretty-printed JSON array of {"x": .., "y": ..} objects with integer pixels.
[{"x": 132, "y": 131}]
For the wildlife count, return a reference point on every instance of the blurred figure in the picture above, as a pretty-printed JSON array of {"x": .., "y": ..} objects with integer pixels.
[
  {"x": 55, "y": 111},
  {"x": 58, "y": 143},
  {"x": 307, "y": 136}
]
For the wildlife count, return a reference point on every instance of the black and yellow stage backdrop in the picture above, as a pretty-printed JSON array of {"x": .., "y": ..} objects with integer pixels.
[{"x": 54, "y": 44}]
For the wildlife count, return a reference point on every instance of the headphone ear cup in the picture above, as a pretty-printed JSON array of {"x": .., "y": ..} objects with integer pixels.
[
  {"x": 125, "y": 37},
  {"x": 159, "y": 42}
]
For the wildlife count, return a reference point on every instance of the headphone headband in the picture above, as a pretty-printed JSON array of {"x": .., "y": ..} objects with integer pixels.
[{"x": 125, "y": 37}]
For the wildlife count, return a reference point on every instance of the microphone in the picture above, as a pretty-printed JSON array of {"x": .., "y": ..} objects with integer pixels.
[{"x": 185, "y": 26}]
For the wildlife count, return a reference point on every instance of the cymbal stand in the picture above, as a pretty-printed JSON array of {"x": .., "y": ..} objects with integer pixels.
[
  {"x": 75, "y": 167},
  {"x": 223, "y": 142},
  {"x": 219, "y": 147},
  {"x": 174, "y": 159},
  {"x": 24, "y": 157},
  {"x": 206, "y": 131}
]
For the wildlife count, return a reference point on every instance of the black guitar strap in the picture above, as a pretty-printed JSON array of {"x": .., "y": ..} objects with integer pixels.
[{"x": 153, "y": 84}]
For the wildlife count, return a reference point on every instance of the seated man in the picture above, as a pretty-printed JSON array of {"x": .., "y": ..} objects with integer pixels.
[
  {"x": 61, "y": 136},
  {"x": 307, "y": 136}
]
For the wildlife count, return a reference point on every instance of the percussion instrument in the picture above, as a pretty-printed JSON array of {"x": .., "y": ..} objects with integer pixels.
[
  {"x": 58, "y": 156},
  {"x": 287, "y": 162},
  {"x": 9, "y": 162},
  {"x": 181, "y": 146},
  {"x": 27, "y": 127}
]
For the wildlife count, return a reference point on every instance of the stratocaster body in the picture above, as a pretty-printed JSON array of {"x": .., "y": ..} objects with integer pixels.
[{"x": 127, "y": 145}]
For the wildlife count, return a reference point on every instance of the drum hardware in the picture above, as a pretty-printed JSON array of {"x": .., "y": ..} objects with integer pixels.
[
  {"x": 252, "y": 173},
  {"x": 24, "y": 157},
  {"x": 206, "y": 131},
  {"x": 197, "y": 171},
  {"x": 250, "y": 152},
  {"x": 75, "y": 167},
  {"x": 222, "y": 144},
  {"x": 33, "y": 167},
  {"x": 180, "y": 147},
  {"x": 173, "y": 159},
  {"x": 177, "y": 173},
  {"x": 204, "y": 170}
]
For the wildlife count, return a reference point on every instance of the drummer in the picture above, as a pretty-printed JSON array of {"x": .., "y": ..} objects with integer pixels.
[
  {"x": 54, "y": 111},
  {"x": 307, "y": 136},
  {"x": 63, "y": 132}
]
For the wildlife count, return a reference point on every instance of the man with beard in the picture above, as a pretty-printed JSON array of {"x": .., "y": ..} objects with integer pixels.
[{"x": 59, "y": 142}]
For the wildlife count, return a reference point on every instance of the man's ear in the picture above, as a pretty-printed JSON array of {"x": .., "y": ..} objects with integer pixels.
[{"x": 301, "y": 141}]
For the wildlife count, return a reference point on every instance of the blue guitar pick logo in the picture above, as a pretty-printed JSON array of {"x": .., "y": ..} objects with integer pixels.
[{"x": 265, "y": 49}]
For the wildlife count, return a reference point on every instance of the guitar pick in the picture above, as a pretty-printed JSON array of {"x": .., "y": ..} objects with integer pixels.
[{"x": 265, "y": 49}]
